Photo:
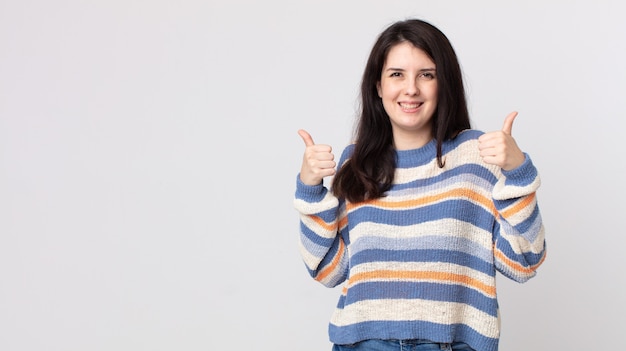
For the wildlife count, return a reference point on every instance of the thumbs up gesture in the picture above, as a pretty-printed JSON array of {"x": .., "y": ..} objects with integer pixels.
[
  {"x": 499, "y": 148},
  {"x": 318, "y": 161}
]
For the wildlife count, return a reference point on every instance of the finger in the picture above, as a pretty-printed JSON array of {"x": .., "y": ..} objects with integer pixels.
[
  {"x": 324, "y": 154},
  {"x": 508, "y": 122},
  {"x": 488, "y": 140},
  {"x": 306, "y": 137}
]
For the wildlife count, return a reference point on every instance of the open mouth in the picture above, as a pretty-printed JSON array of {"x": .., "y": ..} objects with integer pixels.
[{"x": 410, "y": 106}]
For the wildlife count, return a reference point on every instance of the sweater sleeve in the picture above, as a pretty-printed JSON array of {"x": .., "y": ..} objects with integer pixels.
[
  {"x": 322, "y": 243},
  {"x": 519, "y": 238}
]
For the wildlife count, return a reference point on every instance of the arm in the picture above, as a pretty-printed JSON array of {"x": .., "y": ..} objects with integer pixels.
[
  {"x": 519, "y": 238},
  {"x": 519, "y": 244},
  {"x": 322, "y": 246}
]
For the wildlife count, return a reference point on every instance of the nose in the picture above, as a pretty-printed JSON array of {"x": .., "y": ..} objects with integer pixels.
[{"x": 412, "y": 88}]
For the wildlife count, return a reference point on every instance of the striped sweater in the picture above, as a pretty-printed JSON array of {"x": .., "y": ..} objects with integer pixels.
[{"x": 421, "y": 262}]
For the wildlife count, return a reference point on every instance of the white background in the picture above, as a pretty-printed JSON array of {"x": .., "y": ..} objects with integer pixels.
[{"x": 148, "y": 157}]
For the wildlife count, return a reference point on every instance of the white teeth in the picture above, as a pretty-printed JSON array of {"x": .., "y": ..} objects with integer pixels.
[{"x": 409, "y": 105}]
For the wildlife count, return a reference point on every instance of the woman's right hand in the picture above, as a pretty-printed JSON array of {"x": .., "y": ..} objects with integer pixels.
[{"x": 318, "y": 161}]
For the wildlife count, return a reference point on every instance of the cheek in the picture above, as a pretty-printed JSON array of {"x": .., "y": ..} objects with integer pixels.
[
  {"x": 434, "y": 94},
  {"x": 388, "y": 91},
  {"x": 387, "y": 103}
]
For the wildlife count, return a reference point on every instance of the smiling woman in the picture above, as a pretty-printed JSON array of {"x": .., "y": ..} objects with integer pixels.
[
  {"x": 423, "y": 210},
  {"x": 408, "y": 89},
  {"x": 148, "y": 157}
]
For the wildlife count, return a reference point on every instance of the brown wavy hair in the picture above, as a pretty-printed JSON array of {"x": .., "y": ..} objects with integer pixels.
[{"x": 369, "y": 172}]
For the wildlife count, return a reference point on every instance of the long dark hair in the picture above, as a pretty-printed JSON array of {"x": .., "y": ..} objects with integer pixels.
[{"x": 369, "y": 172}]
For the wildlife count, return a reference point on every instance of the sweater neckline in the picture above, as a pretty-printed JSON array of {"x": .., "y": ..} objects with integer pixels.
[
  {"x": 426, "y": 149},
  {"x": 409, "y": 158}
]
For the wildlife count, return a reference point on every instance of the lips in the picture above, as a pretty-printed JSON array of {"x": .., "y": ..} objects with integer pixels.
[{"x": 410, "y": 106}]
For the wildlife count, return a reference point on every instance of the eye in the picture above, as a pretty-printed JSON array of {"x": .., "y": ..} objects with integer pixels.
[
  {"x": 427, "y": 76},
  {"x": 395, "y": 74}
]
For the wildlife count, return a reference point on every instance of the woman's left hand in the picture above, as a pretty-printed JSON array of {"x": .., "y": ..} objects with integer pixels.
[{"x": 499, "y": 148}]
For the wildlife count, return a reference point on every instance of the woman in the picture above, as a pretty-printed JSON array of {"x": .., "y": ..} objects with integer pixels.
[{"x": 422, "y": 211}]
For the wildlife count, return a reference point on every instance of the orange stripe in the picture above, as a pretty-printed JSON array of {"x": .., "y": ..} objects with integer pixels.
[
  {"x": 343, "y": 222},
  {"x": 422, "y": 201},
  {"x": 322, "y": 223},
  {"x": 422, "y": 275},
  {"x": 519, "y": 206},
  {"x": 326, "y": 271},
  {"x": 516, "y": 265}
]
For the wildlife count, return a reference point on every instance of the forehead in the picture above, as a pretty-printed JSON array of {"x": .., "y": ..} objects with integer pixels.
[{"x": 406, "y": 55}]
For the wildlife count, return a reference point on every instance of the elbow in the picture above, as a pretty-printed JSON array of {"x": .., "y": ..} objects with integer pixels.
[
  {"x": 330, "y": 280},
  {"x": 523, "y": 271}
]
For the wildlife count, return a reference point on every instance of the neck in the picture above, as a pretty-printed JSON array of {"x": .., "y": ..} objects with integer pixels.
[{"x": 410, "y": 141}]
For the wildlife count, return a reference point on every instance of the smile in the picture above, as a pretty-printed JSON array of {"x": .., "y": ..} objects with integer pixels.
[{"x": 410, "y": 106}]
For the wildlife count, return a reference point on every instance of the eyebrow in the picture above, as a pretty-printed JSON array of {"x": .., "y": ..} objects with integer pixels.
[{"x": 402, "y": 69}]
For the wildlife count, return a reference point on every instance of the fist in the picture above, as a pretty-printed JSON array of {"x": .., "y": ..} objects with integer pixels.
[
  {"x": 318, "y": 161},
  {"x": 499, "y": 148}
]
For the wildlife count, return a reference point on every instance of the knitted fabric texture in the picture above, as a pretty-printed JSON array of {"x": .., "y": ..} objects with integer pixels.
[{"x": 421, "y": 262}]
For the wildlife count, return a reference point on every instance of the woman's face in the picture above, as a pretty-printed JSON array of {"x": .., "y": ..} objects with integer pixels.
[{"x": 408, "y": 88}]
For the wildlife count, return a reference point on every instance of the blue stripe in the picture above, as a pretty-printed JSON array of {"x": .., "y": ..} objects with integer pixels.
[
  {"x": 312, "y": 237},
  {"x": 530, "y": 225},
  {"x": 326, "y": 259},
  {"x": 466, "y": 135},
  {"x": 448, "y": 256},
  {"x": 386, "y": 330},
  {"x": 329, "y": 215},
  {"x": 522, "y": 175},
  {"x": 462, "y": 210},
  {"x": 529, "y": 228},
  {"x": 427, "y": 242},
  {"x": 317, "y": 249},
  {"x": 421, "y": 290},
  {"x": 468, "y": 171},
  {"x": 525, "y": 259}
]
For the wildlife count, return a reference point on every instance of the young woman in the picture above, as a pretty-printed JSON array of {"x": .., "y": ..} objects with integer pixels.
[{"x": 422, "y": 211}]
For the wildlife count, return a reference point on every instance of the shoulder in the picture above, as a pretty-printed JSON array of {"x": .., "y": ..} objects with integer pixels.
[
  {"x": 346, "y": 153},
  {"x": 463, "y": 139},
  {"x": 468, "y": 134},
  {"x": 463, "y": 149}
]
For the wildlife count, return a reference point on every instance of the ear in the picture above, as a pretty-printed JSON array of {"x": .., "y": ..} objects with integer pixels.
[{"x": 380, "y": 94}]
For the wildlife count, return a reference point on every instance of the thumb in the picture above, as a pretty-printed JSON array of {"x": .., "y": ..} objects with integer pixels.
[
  {"x": 508, "y": 122},
  {"x": 306, "y": 137}
]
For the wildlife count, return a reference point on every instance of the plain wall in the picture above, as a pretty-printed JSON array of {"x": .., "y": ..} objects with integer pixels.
[{"x": 148, "y": 158}]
